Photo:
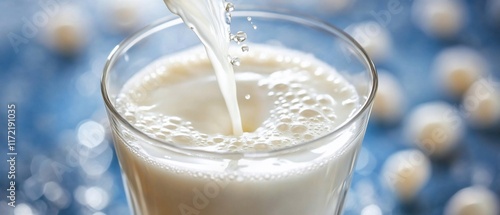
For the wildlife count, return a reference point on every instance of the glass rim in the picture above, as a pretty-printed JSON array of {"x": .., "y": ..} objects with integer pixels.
[{"x": 171, "y": 21}]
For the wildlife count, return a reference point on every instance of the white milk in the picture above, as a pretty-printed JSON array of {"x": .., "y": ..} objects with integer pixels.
[
  {"x": 286, "y": 98},
  {"x": 207, "y": 18}
]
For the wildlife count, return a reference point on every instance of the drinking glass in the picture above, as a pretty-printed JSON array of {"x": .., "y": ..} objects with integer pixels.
[{"x": 311, "y": 178}]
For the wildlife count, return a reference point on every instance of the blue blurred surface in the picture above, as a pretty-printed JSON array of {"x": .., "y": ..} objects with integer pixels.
[{"x": 59, "y": 107}]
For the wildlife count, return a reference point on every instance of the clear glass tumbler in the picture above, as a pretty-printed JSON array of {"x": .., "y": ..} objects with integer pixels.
[{"x": 311, "y": 178}]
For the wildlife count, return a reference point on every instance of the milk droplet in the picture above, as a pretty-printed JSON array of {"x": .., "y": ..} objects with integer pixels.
[
  {"x": 229, "y": 7},
  {"x": 245, "y": 48},
  {"x": 240, "y": 36},
  {"x": 235, "y": 61},
  {"x": 228, "y": 18}
]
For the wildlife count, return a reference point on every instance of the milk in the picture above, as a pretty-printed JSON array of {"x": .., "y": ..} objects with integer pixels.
[
  {"x": 286, "y": 98},
  {"x": 210, "y": 21}
]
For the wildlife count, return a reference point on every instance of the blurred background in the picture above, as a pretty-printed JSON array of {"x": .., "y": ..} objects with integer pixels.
[{"x": 432, "y": 146}]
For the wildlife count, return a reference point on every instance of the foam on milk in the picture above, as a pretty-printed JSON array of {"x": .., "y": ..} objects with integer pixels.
[{"x": 286, "y": 98}]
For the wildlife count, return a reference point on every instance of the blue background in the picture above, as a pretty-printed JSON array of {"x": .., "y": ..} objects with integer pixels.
[{"x": 59, "y": 109}]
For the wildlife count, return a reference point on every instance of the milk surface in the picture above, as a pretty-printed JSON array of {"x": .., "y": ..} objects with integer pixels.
[{"x": 286, "y": 98}]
